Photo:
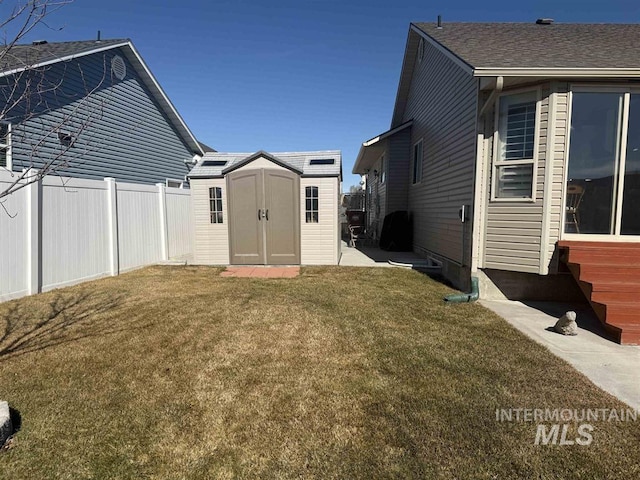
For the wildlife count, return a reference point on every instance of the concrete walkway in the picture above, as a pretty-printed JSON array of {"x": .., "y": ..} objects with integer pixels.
[
  {"x": 612, "y": 367},
  {"x": 375, "y": 257}
]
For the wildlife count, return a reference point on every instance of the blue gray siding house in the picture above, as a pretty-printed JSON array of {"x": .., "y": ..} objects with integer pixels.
[{"x": 94, "y": 109}]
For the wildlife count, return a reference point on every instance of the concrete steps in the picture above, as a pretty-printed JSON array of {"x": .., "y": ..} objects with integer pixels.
[{"x": 608, "y": 274}]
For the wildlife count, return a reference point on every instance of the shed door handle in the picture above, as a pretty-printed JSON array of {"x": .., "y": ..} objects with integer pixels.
[
  {"x": 259, "y": 214},
  {"x": 266, "y": 214}
]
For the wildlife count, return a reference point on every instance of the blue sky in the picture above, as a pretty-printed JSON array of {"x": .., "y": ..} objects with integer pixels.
[{"x": 289, "y": 74}]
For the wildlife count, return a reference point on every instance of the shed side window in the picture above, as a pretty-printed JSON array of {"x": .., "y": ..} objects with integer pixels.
[
  {"x": 311, "y": 201},
  {"x": 215, "y": 204},
  {"x": 5, "y": 145},
  {"x": 514, "y": 165}
]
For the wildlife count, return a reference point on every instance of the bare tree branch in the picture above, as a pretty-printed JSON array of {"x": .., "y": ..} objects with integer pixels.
[{"x": 30, "y": 92}]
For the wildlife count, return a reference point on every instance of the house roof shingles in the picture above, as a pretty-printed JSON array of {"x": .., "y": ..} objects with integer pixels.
[
  {"x": 21, "y": 56},
  {"x": 529, "y": 45}
]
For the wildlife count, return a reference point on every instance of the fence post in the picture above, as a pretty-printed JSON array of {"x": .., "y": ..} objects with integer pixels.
[
  {"x": 112, "y": 220},
  {"x": 34, "y": 212},
  {"x": 164, "y": 240}
]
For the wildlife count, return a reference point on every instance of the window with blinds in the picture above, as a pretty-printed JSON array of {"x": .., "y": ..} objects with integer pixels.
[{"x": 514, "y": 165}]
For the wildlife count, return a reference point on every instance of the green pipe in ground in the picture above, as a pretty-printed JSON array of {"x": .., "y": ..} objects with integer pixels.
[{"x": 465, "y": 297}]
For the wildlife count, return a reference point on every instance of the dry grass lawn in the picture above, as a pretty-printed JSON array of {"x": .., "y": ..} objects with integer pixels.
[{"x": 175, "y": 372}]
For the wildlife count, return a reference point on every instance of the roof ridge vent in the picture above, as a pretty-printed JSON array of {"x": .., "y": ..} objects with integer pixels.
[
  {"x": 544, "y": 21},
  {"x": 39, "y": 42}
]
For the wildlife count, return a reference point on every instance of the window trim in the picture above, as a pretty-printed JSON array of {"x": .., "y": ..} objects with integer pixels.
[
  {"x": 383, "y": 168},
  {"x": 413, "y": 162},
  {"x": 311, "y": 211},
  {"x": 496, "y": 163},
  {"x": 214, "y": 211},
  {"x": 7, "y": 146}
]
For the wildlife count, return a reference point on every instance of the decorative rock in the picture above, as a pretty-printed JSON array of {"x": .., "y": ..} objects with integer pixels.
[
  {"x": 6, "y": 428},
  {"x": 567, "y": 325}
]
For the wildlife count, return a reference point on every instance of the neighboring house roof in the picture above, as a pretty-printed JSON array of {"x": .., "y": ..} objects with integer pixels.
[
  {"x": 24, "y": 57},
  {"x": 531, "y": 45},
  {"x": 206, "y": 148},
  {"x": 371, "y": 150},
  {"x": 217, "y": 164}
]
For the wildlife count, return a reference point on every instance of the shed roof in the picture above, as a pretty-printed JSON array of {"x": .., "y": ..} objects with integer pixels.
[
  {"x": 300, "y": 161},
  {"x": 19, "y": 58},
  {"x": 530, "y": 45}
]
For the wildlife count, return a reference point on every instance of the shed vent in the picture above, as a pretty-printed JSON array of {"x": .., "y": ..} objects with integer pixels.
[
  {"x": 322, "y": 161},
  {"x": 214, "y": 163},
  {"x": 118, "y": 67},
  {"x": 544, "y": 21}
]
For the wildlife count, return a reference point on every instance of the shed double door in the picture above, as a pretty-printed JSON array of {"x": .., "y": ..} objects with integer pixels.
[{"x": 264, "y": 217}]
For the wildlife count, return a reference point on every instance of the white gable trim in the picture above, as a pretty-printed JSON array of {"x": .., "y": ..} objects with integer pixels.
[
  {"x": 63, "y": 59},
  {"x": 172, "y": 113}
]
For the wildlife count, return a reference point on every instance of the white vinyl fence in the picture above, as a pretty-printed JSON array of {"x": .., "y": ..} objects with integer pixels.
[{"x": 64, "y": 231}]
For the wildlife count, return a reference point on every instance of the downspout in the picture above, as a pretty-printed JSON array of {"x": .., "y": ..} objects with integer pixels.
[{"x": 465, "y": 297}]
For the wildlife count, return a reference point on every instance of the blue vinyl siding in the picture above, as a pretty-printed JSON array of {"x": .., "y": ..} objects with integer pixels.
[{"x": 127, "y": 136}]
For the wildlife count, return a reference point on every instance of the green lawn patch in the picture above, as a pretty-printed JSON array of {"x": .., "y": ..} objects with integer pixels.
[{"x": 175, "y": 372}]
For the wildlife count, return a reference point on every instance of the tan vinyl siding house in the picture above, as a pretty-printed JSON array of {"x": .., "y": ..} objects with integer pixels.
[
  {"x": 255, "y": 194},
  {"x": 492, "y": 105},
  {"x": 444, "y": 120}
]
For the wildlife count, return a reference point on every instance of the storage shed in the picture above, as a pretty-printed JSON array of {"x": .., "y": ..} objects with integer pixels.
[{"x": 267, "y": 208}]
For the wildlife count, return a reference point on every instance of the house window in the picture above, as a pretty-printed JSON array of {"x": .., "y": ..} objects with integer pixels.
[
  {"x": 383, "y": 170},
  {"x": 215, "y": 204},
  {"x": 515, "y": 160},
  {"x": 417, "y": 163},
  {"x": 5, "y": 145},
  {"x": 311, "y": 201}
]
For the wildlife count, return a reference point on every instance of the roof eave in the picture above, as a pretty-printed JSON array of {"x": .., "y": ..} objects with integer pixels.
[
  {"x": 203, "y": 176},
  {"x": 556, "y": 72},
  {"x": 163, "y": 99},
  {"x": 64, "y": 58},
  {"x": 364, "y": 161},
  {"x": 408, "y": 61},
  {"x": 255, "y": 156}
]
